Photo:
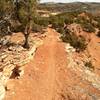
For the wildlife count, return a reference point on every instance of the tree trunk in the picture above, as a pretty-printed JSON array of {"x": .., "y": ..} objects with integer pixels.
[
  {"x": 26, "y": 44},
  {"x": 17, "y": 10},
  {"x": 26, "y": 35}
]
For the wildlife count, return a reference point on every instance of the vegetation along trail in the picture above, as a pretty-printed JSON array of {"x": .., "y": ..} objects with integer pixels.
[{"x": 48, "y": 77}]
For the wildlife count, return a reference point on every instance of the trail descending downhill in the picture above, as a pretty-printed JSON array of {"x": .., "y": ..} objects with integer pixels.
[
  {"x": 48, "y": 77},
  {"x": 39, "y": 80}
]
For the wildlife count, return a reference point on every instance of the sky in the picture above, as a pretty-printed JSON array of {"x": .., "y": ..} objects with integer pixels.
[{"x": 65, "y": 1}]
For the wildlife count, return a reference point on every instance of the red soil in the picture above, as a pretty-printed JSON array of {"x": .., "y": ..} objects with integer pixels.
[{"x": 47, "y": 77}]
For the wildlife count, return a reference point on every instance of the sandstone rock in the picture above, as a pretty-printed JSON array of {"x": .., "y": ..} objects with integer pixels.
[
  {"x": 9, "y": 58},
  {"x": 7, "y": 72},
  {"x": 11, "y": 48},
  {"x": 3, "y": 56},
  {"x": 31, "y": 52},
  {"x": 69, "y": 48},
  {"x": 2, "y": 91}
]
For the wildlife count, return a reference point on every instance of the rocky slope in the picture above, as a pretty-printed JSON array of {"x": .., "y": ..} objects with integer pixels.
[{"x": 13, "y": 58}]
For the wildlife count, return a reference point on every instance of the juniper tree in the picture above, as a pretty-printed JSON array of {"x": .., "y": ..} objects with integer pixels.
[
  {"x": 25, "y": 11},
  {"x": 6, "y": 12}
]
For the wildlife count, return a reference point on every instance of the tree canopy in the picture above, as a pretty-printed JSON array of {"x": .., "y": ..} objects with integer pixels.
[{"x": 23, "y": 11}]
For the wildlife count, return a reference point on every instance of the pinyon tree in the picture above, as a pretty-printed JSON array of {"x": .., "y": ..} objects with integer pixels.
[
  {"x": 6, "y": 13},
  {"x": 25, "y": 11},
  {"x": 19, "y": 16}
]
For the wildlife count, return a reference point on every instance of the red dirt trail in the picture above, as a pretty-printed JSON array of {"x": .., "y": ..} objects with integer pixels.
[
  {"x": 47, "y": 77},
  {"x": 38, "y": 82}
]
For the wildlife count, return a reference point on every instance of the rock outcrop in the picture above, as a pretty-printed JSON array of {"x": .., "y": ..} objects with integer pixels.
[
  {"x": 77, "y": 65},
  {"x": 12, "y": 60}
]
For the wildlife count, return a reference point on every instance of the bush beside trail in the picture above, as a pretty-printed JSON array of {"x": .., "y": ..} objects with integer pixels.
[{"x": 79, "y": 43}]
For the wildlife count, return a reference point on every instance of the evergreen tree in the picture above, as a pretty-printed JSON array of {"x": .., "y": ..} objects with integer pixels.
[
  {"x": 6, "y": 12},
  {"x": 25, "y": 12}
]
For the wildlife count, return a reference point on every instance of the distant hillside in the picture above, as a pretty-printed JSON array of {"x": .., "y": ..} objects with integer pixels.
[{"x": 69, "y": 7}]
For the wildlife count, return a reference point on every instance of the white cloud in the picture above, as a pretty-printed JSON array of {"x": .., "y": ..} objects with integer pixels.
[{"x": 70, "y": 0}]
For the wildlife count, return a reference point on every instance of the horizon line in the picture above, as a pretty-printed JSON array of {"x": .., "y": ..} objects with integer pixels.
[{"x": 70, "y": 2}]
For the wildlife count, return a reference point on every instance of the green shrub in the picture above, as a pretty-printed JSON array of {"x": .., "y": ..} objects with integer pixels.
[
  {"x": 97, "y": 18},
  {"x": 86, "y": 24},
  {"x": 42, "y": 21},
  {"x": 77, "y": 42},
  {"x": 98, "y": 25},
  {"x": 81, "y": 44},
  {"x": 68, "y": 21},
  {"x": 36, "y": 28},
  {"x": 56, "y": 22},
  {"x": 97, "y": 21},
  {"x": 88, "y": 27},
  {"x": 81, "y": 20},
  {"x": 18, "y": 28},
  {"x": 63, "y": 18},
  {"x": 89, "y": 65},
  {"x": 61, "y": 30},
  {"x": 98, "y": 34},
  {"x": 4, "y": 28}
]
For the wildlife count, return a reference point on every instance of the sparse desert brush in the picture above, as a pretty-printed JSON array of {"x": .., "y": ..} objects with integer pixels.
[
  {"x": 98, "y": 34},
  {"x": 81, "y": 44},
  {"x": 68, "y": 21},
  {"x": 63, "y": 18},
  {"x": 72, "y": 17},
  {"x": 61, "y": 30},
  {"x": 56, "y": 22},
  {"x": 89, "y": 65},
  {"x": 77, "y": 42},
  {"x": 36, "y": 28},
  {"x": 86, "y": 24},
  {"x": 96, "y": 18},
  {"x": 42, "y": 21},
  {"x": 88, "y": 28}
]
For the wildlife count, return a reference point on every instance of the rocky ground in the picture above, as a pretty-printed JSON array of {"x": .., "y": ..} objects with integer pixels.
[
  {"x": 92, "y": 52},
  {"x": 56, "y": 72},
  {"x": 14, "y": 57}
]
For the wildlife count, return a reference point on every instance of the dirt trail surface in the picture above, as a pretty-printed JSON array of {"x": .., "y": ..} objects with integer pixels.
[
  {"x": 47, "y": 76},
  {"x": 38, "y": 82}
]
